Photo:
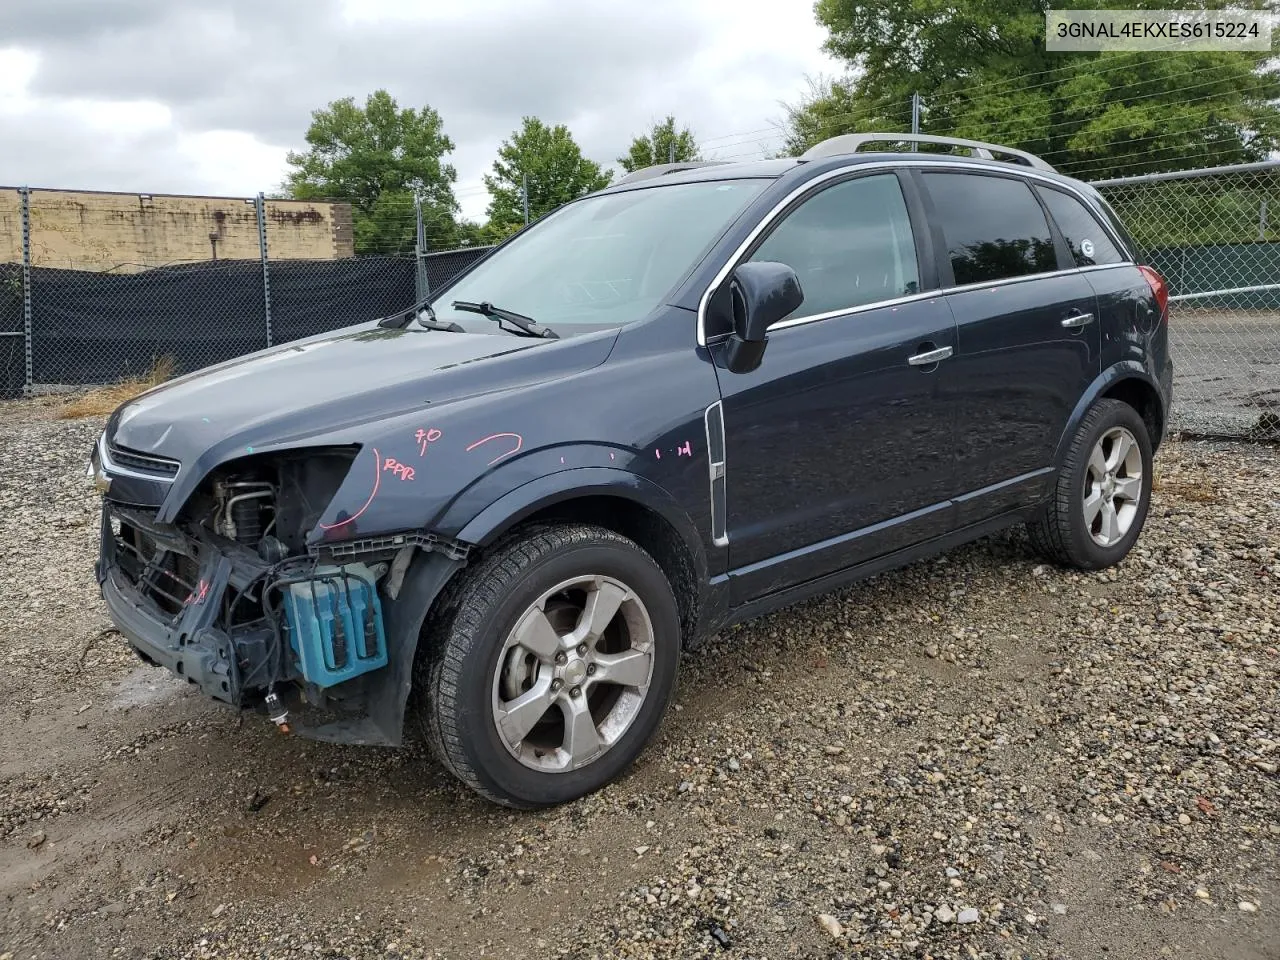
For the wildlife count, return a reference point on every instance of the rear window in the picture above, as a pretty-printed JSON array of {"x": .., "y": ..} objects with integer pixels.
[
  {"x": 993, "y": 227},
  {"x": 1089, "y": 242},
  {"x": 1129, "y": 248}
]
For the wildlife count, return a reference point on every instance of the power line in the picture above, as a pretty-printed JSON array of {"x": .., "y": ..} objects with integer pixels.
[{"x": 966, "y": 98}]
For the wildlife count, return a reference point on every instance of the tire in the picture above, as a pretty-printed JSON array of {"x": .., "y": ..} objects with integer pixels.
[
  {"x": 1070, "y": 533},
  {"x": 478, "y": 671}
]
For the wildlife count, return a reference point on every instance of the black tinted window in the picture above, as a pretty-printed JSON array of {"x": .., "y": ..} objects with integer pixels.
[
  {"x": 850, "y": 245},
  {"x": 993, "y": 227},
  {"x": 1089, "y": 243}
]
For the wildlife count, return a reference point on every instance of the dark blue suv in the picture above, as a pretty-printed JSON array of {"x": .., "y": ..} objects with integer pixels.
[{"x": 698, "y": 395}]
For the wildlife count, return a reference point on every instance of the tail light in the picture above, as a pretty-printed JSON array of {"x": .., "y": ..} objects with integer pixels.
[{"x": 1159, "y": 289}]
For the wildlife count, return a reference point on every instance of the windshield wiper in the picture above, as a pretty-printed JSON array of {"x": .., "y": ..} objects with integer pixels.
[
  {"x": 426, "y": 317},
  {"x": 527, "y": 325}
]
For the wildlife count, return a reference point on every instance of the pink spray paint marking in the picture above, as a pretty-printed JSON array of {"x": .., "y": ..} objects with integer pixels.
[
  {"x": 377, "y": 477},
  {"x": 200, "y": 595},
  {"x": 657, "y": 453},
  {"x": 495, "y": 436},
  {"x": 612, "y": 457},
  {"x": 401, "y": 470},
  {"x": 430, "y": 435},
  {"x": 685, "y": 451}
]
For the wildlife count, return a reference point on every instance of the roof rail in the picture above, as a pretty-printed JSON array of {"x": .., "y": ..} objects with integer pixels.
[
  {"x": 662, "y": 169},
  {"x": 851, "y": 142}
]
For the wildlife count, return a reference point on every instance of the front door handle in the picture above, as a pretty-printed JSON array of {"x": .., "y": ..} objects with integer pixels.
[
  {"x": 1077, "y": 320},
  {"x": 929, "y": 357}
]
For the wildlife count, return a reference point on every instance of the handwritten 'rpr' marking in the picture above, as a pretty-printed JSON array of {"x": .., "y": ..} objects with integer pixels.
[
  {"x": 401, "y": 470},
  {"x": 495, "y": 436}
]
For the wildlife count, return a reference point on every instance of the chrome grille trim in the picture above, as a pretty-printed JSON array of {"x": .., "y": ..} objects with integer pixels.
[{"x": 145, "y": 466}]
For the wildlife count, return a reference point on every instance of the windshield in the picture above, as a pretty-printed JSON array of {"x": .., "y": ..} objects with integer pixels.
[{"x": 605, "y": 260}]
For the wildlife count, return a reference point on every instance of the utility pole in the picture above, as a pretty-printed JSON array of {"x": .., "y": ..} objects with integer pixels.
[
  {"x": 260, "y": 207},
  {"x": 525, "y": 191},
  {"x": 915, "y": 117},
  {"x": 671, "y": 151}
]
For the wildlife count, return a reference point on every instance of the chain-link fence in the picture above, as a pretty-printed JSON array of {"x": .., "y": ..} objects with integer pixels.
[
  {"x": 96, "y": 288},
  {"x": 1215, "y": 236}
]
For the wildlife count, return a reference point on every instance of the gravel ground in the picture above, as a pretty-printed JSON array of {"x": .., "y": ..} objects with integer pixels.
[
  {"x": 977, "y": 756},
  {"x": 1226, "y": 369}
]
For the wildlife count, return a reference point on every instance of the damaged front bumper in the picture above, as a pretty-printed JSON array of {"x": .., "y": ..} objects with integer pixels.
[
  {"x": 194, "y": 605},
  {"x": 173, "y": 598}
]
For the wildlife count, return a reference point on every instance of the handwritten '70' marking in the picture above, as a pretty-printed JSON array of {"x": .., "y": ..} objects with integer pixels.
[{"x": 497, "y": 436}]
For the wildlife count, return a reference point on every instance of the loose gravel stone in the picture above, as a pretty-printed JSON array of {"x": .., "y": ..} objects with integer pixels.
[{"x": 831, "y": 925}]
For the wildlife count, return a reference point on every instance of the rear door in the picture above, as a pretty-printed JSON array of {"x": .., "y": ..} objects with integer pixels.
[
  {"x": 1028, "y": 339},
  {"x": 1125, "y": 315}
]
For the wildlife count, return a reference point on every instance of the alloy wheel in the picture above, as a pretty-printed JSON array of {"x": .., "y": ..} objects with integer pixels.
[
  {"x": 573, "y": 674},
  {"x": 1112, "y": 486}
]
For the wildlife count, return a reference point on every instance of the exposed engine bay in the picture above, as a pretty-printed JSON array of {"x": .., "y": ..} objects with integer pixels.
[{"x": 250, "y": 612}]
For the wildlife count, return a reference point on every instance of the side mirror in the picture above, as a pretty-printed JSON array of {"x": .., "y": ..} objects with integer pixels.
[{"x": 761, "y": 294}]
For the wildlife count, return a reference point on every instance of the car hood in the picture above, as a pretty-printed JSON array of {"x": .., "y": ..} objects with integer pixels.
[{"x": 330, "y": 384}]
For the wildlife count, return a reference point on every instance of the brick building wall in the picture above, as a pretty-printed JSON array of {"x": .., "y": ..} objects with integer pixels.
[{"x": 129, "y": 232}]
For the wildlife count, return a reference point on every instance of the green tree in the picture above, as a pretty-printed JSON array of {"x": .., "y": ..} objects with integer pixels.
[
  {"x": 984, "y": 73},
  {"x": 378, "y": 157},
  {"x": 662, "y": 144},
  {"x": 557, "y": 172}
]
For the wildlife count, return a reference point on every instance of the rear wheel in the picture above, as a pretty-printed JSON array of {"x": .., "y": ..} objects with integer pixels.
[
  {"x": 555, "y": 668},
  {"x": 1102, "y": 493}
]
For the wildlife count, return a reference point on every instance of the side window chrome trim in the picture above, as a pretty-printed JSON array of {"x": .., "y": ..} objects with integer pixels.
[
  {"x": 1007, "y": 281},
  {"x": 1108, "y": 266},
  {"x": 933, "y": 295},
  {"x": 1010, "y": 281},
  {"x": 860, "y": 308},
  {"x": 775, "y": 212}
]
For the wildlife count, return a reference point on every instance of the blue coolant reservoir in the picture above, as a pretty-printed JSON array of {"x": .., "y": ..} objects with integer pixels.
[{"x": 335, "y": 624}]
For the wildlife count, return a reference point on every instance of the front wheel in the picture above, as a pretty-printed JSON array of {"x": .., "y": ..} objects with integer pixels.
[
  {"x": 1102, "y": 492},
  {"x": 555, "y": 667}
]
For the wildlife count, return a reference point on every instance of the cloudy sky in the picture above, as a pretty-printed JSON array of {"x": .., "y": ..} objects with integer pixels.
[{"x": 207, "y": 96}]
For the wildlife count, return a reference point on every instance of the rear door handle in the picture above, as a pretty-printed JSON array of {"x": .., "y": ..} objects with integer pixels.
[
  {"x": 1077, "y": 320},
  {"x": 929, "y": 357}
]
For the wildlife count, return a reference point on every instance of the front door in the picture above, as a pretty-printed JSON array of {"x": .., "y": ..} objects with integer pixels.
[
  {"x": 839, "y": 446},
  {"x": 1028, "y": 336}
]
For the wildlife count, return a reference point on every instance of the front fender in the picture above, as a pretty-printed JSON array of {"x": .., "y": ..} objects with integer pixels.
[
  {"x": 484, "y": 525},
  {"x": 1124, "y": 370}
]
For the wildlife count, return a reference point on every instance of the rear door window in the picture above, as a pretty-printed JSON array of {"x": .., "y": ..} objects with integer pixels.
[
  {"x": 1089, "y": 242},
  {"x": 993, "y": 227}
]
